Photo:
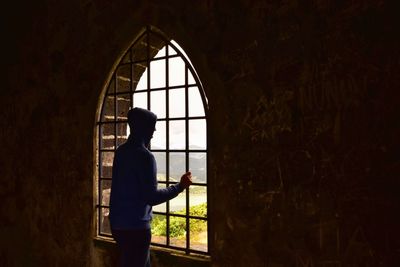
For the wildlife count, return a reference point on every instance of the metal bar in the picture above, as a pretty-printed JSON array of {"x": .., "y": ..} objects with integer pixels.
[
  {"x": 148, "y": 68},
  {"x": 187, "y": 159},
  {"x": 191, "y": 251},
  {"x": 106, "y": 235},
  {"x": 131, "y": 81},
  {"x": 107, "y": 150},
  {"x": 183, "y": 118},
  {"x": 154, "y": 89},
  {"x": 115, "y": 111},
  {"x": 98, "y": 185},
  {"x": 198, "y": 184},
  {"x": 163, "y": 119},
  {"x": 209, "y": 226},
  {"x": 181, "y": 150},
  {"x": 180, "y": 215},
  {"x": 110, "y": 122},
  {"x": 145, "y": 60},
  {"x": 103, "y": 206},
  {"x": 167, "y": 135}
]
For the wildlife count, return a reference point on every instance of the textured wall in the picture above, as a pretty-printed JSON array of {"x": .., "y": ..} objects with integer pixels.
[{"x": 303, "y": 120}]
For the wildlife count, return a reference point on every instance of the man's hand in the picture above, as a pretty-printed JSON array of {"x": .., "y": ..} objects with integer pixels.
[{"x": 186, "y": 180}]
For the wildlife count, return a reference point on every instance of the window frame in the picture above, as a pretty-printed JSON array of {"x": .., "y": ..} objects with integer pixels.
[{"x": 116, "y": 122}]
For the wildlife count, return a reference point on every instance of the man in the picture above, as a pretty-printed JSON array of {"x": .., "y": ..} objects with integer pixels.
[{"x": 134, "y": 190}]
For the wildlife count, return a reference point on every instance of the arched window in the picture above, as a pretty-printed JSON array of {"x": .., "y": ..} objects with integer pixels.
[{"x": 156, "y": 74}]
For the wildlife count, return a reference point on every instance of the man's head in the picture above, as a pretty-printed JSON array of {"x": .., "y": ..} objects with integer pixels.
[{"x": 142, "y": 123}]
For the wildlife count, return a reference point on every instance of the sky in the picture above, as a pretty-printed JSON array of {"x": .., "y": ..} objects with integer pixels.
[{"x": 197, "y": 128}]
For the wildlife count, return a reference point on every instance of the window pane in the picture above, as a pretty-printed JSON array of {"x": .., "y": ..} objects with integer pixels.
[
  {"x": 177, "y": 103},
  {"x": 139, "y": 76},
  {"x": 177, "y": 134},
  {"x": 158, "y": 141},
  {"x": 159, "y": 229},
  {"x": 105, "y": 192},
  {"x": 123, "y": 78},
  {"x": 107, "y": 113},
  {"x": 197, "y": 134},
  {"x": 198, "y": 201},
  {"x": 198, "y": 234},
  {"x": 139, "y": 49},
  {"x": 110, "y": 89},
  {"x": 177, "y": 231},
  {"x": 195, "y": 102},
  {"x": 128, "y": 130},
  {"x": 122, "y": 133},
  {"x": 157, "y": 73},
  {"x": 163, "y": 206},
  {"x": 178, "y": 204},
  {"x": 191, "y": 79},
  {"x": 155, "y": 44},
  {"x": 157, "y": 105},
  {"x": 127, "y": 57},
  {"x": 161, "y": 165},
  {"x": 104, "y": 221},
  {"x": 106, "y": 171},
  {"x": 176, "y": 166},
  {"x": 106, "y": 164},
  {"x": 171, "y": 51},
  {"x": 107, "y": 158},
  {"x": 123, "y": 104},
  {"x": 198, "y": 167},
  {"x": 176, "y": 71},
  {"x": 107, "y": 136},
  {"x": 161, "y": 53},
  {"x": 140, "y": 100}
]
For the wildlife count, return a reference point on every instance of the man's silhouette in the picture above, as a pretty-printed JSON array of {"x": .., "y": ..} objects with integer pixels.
[{"x": 134, "y": 190}]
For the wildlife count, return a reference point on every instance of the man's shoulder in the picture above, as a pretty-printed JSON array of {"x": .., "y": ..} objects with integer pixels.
[
  {"x": 121, "y": 148},
  {"x": 147, "y": 153},
  {"x": 137, "y": 150}
]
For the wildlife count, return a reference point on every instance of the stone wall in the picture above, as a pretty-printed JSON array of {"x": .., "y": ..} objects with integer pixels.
[{"x": 303, "y": 126}]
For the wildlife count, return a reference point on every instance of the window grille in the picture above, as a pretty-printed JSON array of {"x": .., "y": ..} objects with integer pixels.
[{"x": 156, "y": 74}]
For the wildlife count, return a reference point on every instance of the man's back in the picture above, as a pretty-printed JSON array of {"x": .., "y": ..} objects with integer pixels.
[
  {"x": 128, "y": 208},
  {"x": 134, "y": 187}
]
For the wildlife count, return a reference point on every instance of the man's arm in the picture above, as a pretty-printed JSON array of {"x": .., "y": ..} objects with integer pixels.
[{"x": 154, "y": 196}]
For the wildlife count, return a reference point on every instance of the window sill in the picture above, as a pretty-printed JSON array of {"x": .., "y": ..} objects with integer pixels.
[{"x": 162, "y": 255}]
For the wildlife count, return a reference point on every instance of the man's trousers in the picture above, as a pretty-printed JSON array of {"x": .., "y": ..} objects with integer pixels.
[{"x": 134, "y": 247}]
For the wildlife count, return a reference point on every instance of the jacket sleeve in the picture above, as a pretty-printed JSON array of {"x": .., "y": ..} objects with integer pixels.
[{"x": 151, "y": 194}]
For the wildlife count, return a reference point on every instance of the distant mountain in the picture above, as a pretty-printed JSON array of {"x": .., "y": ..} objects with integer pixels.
[
  {"x": 192, "y": 147},
  {"x": 197, "y": 164}
]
